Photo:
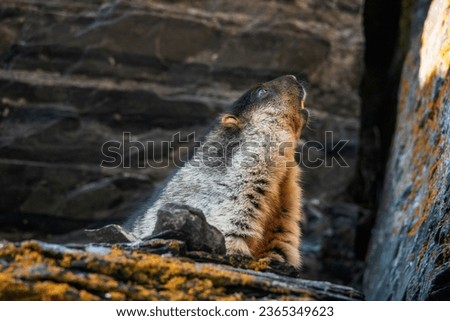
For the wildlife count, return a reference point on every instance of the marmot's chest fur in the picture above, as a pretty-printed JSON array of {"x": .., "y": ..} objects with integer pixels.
[{"x": 244, "y": 176}]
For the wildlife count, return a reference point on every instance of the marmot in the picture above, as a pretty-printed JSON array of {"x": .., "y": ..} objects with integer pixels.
[{"x": 244, "y": 176}]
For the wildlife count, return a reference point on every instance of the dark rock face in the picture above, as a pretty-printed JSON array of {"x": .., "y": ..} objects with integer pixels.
[
  {"x": 188, "y": 224},
  {"x": 409, "y": 257},
  {"x": 329, "y": 242}
]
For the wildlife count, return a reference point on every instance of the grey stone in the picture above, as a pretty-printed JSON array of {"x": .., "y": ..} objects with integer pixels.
[
  {"x": 188, "y": 224},
  {"x": 110, "y": 234}
]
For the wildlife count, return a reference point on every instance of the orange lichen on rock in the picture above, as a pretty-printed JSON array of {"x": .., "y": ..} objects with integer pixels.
[
  {"x": 426, "y": 144},
  {"x": 415, "y": 202},
  {"x": 36, "y": 271}
]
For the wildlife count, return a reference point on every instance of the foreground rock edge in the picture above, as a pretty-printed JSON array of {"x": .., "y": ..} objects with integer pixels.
[{"x": 34, "y": 270}]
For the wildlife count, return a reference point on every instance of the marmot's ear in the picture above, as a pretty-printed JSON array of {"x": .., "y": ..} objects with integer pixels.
[
  {"x": 230, "y": 121},
  {"x": 305, "y": 115}
]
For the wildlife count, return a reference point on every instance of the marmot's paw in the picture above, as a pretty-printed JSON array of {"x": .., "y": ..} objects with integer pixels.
[
  {"x": 282, "y": 267},
  {"x": 291, "y": 257},
  {"x": 272, "y": 256},
  {"x": 237, "y": 245}
]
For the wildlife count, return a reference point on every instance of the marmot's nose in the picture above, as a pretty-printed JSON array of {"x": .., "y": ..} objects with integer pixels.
[
  {"x": 299, "y": 85},
  {"x": 292, "y": 77}
]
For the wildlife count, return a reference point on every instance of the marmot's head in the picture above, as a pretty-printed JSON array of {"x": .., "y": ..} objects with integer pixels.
[{"x": 278, "y": 101}]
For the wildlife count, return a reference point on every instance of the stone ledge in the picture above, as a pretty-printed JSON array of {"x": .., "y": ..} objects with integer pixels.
[{"x": 152, "y": 270}]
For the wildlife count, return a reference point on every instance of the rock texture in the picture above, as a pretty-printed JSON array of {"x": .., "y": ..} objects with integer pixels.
[
  {"x": 409, "y": 256},
  {"x": 110, "y": 234},
  {"x": 188, "y": 224},
  {"x": 174, "y": 222},
  {"x": 37, "y": 271},
  {"x": 78, "y": 74}
]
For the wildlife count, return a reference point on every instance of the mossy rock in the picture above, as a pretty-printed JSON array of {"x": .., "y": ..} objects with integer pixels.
[{"x": 34, "y": 270}]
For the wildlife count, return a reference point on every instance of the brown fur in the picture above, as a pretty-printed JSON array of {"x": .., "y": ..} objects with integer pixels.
[{"x": 279, "y": 215}]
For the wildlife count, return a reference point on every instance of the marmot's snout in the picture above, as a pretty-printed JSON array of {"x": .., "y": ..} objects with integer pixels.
[
  {"x": 292, "y": 94},
  {"x": 291, "y": 81}
]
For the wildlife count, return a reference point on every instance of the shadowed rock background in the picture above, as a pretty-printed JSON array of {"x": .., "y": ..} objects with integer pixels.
[{"x": 78, "y": 74}]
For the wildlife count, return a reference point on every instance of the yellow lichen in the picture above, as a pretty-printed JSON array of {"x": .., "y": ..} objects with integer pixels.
[{"x": 35, "y": 273}]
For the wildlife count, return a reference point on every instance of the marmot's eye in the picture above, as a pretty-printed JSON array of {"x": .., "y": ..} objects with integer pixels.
[{"x": 261, "y": 92}]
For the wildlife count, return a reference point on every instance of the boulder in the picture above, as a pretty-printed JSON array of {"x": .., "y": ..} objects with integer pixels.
[
  {"x": 175, "y": 221},
  {"x": 188, "y": 224}
]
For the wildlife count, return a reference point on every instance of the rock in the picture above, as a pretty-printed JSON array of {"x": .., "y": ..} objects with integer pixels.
[
  {"x": 110, "y": 234},
  {"x": 188, "y": 224},
  {"x": 329, "y": 242},
  {"x": 37, "y": 271},
  {"x": 410, "y": 248},
  {"x": 174, "y": 221},
  {"x": 339, "y": 242},
  {"x": 57, "y": 198}
]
